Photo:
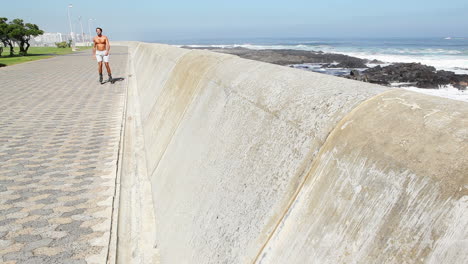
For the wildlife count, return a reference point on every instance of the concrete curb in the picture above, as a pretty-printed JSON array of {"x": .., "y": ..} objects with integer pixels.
[
  {"x": 136, "y": 229},
  {"x": 112, "y": 251}
]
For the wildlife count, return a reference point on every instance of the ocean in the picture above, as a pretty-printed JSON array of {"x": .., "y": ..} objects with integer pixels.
[{"x": 444, "y": 53}]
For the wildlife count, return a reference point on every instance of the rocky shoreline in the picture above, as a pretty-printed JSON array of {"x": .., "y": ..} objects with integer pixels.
[
  {"x": 410, "y": 74},
  {"x": 372, "y": 71}
]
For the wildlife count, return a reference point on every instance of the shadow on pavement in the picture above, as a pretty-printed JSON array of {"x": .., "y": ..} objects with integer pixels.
[{"x": 118, "y": 79}]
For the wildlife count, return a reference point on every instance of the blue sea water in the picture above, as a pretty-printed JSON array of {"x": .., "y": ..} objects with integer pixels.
[{"x": 444, "y": 53}]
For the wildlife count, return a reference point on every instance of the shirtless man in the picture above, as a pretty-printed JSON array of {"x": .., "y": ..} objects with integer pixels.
[{"x": 101, "y": 50}]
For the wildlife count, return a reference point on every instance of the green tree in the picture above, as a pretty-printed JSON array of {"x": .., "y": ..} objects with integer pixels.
[
  {"x": 4, "y": 34},
  {"x": 22, "y": 33}
]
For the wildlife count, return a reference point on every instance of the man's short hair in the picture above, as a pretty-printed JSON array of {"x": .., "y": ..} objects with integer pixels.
[{"x": 99, "y": 29}]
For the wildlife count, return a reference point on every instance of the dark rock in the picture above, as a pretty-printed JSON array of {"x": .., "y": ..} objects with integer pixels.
[
  {"x": 351, "y": 62},
  {"x": 376, "y": 62},
  {"x": 354, "y": 73},
  {"x": 288, "y": 57},
  {"x": 422, "y": 76}
]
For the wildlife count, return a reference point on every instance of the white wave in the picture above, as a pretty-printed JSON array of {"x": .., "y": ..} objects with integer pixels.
[
  {"x": 441, "y": 59},
  {"x": 330, "y": 48},
  {"x": 457, "y": 64},
  {"x": 372, "y": 65},
  {"x": 447, "y": 91},
  {"x": 423, "y": 51}
]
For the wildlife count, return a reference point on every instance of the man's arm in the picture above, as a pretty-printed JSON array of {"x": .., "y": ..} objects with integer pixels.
[{"x": 107, "y": 46}]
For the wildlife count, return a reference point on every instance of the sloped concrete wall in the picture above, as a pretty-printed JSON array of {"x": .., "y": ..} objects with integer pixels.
[{"x": 253, "y": 162}]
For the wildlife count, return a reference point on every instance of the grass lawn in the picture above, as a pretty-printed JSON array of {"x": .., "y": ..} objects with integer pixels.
[{"x": 34, "y": 53}]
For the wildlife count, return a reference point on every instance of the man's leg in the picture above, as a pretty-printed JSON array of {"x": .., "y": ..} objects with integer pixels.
[
  {"x": 100, "y": 71},
  {"x": 106, "y": 62},
  {"x": 108, "y": 71}
]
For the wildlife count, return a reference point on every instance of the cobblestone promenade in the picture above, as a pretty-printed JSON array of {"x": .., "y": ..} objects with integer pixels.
[{"x": 59, "y": 143}]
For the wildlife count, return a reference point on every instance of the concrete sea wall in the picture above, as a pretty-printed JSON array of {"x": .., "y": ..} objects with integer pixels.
[{"x": 251, "y": 162}]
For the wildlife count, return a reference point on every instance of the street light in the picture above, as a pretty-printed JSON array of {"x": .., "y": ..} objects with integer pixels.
[
  {"x": 82, "y": 32},
  {"x": 89, "y": 28},
  {"x": 71, "y": 30}
]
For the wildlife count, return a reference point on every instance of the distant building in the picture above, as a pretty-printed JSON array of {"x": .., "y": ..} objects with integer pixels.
[{"x": 48, "y": 39}]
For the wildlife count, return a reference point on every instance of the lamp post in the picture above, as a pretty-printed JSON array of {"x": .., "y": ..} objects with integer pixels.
[
  {"x": 89, "y": 28},
  {"x": 82, "y": 32},
  {"x": 71, "y": 30}
]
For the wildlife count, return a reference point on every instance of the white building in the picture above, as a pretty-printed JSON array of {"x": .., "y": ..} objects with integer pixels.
[{"x": 49, "y": 39}]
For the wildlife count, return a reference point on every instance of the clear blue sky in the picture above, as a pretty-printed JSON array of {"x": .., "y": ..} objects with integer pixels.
[{"x": 182, "y": 19}]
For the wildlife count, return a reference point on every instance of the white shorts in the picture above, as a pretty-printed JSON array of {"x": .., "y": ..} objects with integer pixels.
[{"x": 101, "y": 56}]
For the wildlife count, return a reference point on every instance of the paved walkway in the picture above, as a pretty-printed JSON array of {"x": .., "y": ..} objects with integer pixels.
[{"x": 59, "y": 144}]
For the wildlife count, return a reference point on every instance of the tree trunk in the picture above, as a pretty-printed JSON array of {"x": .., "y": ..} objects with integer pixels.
[
  {"x": 12, "y": 52},
  {"x": 27, "y": 47},
  {"x": 21, "y": 46}
]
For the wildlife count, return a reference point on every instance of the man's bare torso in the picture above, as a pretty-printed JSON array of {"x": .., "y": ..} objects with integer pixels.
[{"x": 100, "y": 42}]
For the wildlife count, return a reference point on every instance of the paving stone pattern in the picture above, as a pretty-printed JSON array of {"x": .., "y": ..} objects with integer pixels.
[{"x": 59, "y": 142}]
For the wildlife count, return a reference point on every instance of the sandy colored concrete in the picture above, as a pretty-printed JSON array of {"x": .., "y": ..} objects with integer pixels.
[
  {"x": 389, "y": 186},
  {"x": 136, "y": 226},
  {"x": 253, "y": 162}
]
